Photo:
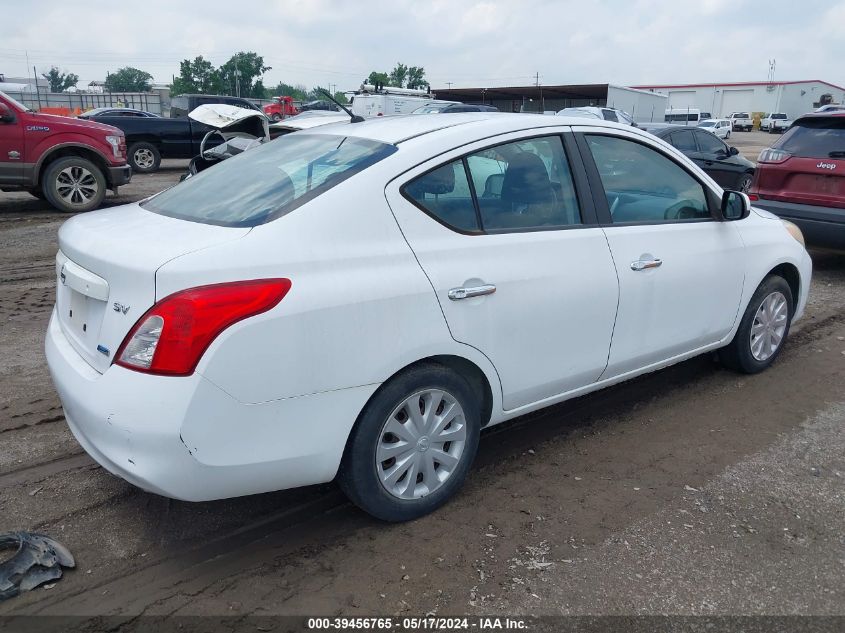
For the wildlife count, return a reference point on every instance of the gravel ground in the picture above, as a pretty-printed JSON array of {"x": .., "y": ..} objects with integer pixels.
[{"x": 690, "y": 491}]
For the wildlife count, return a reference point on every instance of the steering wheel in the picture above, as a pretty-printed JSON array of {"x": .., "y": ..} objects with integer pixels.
[
  {"x": 682, "y": 210},
  {"x": 205, "y": 138}
]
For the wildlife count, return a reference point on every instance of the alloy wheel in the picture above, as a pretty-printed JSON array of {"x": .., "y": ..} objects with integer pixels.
[
  {"x": 421, "y": 444},
  {"x": 76, "y": 185},
  {"x": 769, "y": 326}
]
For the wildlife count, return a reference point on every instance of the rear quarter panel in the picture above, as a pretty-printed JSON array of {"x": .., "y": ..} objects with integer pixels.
[{"x": 360, "y": 307}]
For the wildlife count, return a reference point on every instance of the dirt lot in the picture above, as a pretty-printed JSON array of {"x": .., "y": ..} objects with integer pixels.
[{"x": 690, "y": 491}]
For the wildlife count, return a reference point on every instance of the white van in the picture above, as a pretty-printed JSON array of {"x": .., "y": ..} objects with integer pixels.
[
  {"x": 369, "y": 101},
  {"x": 685, "y": 116}
]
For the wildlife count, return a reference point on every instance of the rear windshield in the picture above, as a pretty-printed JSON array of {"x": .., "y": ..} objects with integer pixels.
[
  {"x": 269, "y": 181},
  {"x": 778, "y": 116},
  {"x": 815, "y": 138}
]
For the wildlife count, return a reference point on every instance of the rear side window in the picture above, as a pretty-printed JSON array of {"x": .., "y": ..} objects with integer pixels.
[
  {"x": 683, "y": 140},
  {"x": 444, "y": 194},
  {"x": 178, "y": 107},
  {"x": 269, "y": 181},
  {"x": 524, "y": 185},
  {"x": 609, "y": 115},
  {"x": 815, "y": 138}
]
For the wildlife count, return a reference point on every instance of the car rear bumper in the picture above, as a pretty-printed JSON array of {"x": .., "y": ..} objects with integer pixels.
[
  {"x": 823, "y": 227},
  {"x": 120, "y": 175},
  {"x": 183, "y": 437}
]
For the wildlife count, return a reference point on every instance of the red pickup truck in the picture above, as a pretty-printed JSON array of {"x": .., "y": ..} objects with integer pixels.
[{"x": 68, "y": 162}]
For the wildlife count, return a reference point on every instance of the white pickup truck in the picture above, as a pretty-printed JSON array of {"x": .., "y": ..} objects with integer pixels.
[
  {"x": 741, "y": 121},
  {"x": 776, "y": 122}
]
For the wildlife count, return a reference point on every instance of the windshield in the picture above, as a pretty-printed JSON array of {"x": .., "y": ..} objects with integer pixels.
[
  {"x": 778, "y": 116},
  {"x": 15, "y": 103},
  {"x": 815, "y": 138},
  {"x": 270, "y": 181}
]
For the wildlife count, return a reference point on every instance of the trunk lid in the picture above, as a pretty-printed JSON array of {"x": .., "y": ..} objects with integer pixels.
[{"x": 106, "y": 272}]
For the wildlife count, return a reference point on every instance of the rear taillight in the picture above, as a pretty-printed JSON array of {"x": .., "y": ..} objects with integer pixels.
[
  {"x": 753, "y": 197},
  {"x": 172, "y": 336},
  {"x": 773, "y": 156}
]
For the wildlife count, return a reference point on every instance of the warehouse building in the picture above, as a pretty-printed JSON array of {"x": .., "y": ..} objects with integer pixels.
[
  {"x": 792, "y": 97},
  {"x": 643, "y": 105}
]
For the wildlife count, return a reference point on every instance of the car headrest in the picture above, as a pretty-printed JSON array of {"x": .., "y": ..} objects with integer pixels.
[{"x": 526, "y": 179}]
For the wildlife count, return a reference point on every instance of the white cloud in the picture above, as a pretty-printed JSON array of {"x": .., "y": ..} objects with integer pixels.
[{"x": 488, "y": 42}]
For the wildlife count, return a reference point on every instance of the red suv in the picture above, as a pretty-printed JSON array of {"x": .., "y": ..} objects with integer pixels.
[{"x": 801, "y": 178}]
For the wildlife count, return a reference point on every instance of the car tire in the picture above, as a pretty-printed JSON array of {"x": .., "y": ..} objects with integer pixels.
[
  {"x": 73, "y": 184},
  {"x": 144, "y": 158},
  {"x": 763, "y": 330},
  {"x": 385, "y": 429},
  {"x": 743, "y": 183},
  {"x": 727, "y": 136},
  {"x": 276, "y": 117}
]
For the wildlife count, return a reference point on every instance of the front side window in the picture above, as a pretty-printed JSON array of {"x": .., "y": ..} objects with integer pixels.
[
  {"x": 269, "y": 181},
  {"x": 710, "y": 144},
  {"x": 515, "y": 186},
  {"x": 643, "y": 185}
]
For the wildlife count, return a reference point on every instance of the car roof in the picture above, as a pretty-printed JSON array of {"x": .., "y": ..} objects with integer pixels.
[
  {"x": 398, "y": 129},
  {"x": 832, "y": 114}
]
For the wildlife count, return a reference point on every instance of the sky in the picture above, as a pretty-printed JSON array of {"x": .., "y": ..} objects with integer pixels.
[{"x": 464, "y": 43}]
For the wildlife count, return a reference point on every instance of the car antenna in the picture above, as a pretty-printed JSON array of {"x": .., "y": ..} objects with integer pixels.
[{"x": 353, "y": 118}]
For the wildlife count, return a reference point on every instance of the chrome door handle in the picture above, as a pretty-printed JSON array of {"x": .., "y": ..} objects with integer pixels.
[
  {"x": 456, "y": 294},
  {"x": 645, "y": 264}
]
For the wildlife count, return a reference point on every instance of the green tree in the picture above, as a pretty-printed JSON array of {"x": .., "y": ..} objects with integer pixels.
[
  {"x": 258, "y": 90},
  {"x": 416, "y": 77},
  {"x": 398, "y": 75},
  {"x": 317, "y": 94},
  {"x": 128, "y": 79},
  {"x": 196, "y": 76},
  {"x": 239, "y": 74},
  {"x": 59, "y": 81},
  {"x": 377, "y": 78}
]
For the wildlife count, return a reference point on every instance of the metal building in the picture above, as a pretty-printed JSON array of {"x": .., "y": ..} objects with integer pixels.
[
  {"x": 792, "y": 97},
  {"x": 643, "y": 105}
]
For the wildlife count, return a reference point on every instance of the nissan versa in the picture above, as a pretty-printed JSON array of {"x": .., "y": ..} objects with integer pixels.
[{"x": 359, "y": 300}]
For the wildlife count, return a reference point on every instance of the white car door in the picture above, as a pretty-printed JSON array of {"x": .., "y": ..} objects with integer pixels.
[
  {"x": 681, "y": 271},
  {"x": 519, "y": 266}
]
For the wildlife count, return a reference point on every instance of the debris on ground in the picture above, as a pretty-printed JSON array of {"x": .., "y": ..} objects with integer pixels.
[{"x": 38, "y": 560}]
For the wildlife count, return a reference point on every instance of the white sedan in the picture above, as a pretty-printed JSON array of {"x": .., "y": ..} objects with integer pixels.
[{"x": 358, "y": 301}]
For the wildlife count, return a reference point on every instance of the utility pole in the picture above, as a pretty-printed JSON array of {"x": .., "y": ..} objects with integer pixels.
[
  {"x": 449, "y": 84},
  {"x": 537, "y": 79}
]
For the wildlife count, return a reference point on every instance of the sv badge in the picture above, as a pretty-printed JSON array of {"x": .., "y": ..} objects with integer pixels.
[{"x": 119, "y": 307}]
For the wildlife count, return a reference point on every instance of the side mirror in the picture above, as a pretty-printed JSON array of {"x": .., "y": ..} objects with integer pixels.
[
  {"x": 735, "y": 206},
  {"x": 6, "y": 114},
  {"x": 733, "y": 151}
]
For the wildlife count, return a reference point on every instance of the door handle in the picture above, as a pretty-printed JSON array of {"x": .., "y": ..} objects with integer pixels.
[
  {"x": 645, "y": 264},
  {"x": 455, "y": 294}
]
